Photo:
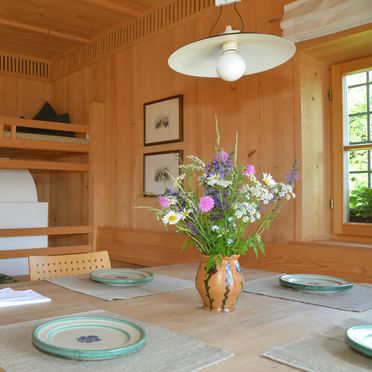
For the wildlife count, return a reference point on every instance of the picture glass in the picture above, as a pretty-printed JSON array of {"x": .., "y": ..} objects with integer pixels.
[
  {"x": 163, "y": 121},
  {"x": 158, "y": 169}
]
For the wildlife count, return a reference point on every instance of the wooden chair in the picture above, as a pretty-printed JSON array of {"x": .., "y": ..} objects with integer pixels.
[{"x": 45, "y": 267}]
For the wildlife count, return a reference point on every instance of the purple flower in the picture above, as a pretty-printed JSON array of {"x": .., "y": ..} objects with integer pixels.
[
  {"x": 163, "y": 201},
  {"x": 293, "y": 173},
  {"x": 223, "y": 156},
  {"x": 206, "y": 203},
  {"x": 249, "y": 169}
]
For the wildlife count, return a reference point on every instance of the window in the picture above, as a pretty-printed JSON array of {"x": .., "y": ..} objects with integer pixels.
[{"x": 352, "y": 147}]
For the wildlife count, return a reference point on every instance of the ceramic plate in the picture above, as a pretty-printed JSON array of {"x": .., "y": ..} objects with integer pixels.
[
  {"x": 88, "y": 338},
  {"x": 121, "y": 276},
  {"x": 314, "y": 282},
  {"x": 360, "y": 338}
]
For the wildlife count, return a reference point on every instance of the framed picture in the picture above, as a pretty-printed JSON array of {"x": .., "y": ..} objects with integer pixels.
[
  {"x": 163, "y": 121},
  {"x": 158, "y": 170}
]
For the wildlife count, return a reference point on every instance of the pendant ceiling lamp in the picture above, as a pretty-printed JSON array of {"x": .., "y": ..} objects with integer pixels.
[{"x": 232, "y": 54}]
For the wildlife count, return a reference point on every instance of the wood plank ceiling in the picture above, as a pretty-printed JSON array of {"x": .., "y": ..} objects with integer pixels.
[{"x": 48, "y": 29}]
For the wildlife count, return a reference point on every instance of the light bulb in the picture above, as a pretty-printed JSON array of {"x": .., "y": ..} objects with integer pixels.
[{"x": 231, "y": 66}]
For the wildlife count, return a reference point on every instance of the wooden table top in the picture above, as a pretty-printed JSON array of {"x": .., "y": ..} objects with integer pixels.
[{"x": 258, "y": 324}]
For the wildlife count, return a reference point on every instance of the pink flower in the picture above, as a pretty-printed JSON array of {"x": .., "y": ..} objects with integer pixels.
[
  {"x": 223, "y": 156},
  {"x": 206, "y": 203},
  {"x": 249, "y": 169},
  {"x": 163, "y": 201}
]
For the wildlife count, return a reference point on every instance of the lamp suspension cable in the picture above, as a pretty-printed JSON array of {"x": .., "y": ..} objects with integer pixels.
[
  {"x": 241, "y": 19},
  {"x": 219, "y": 16}
]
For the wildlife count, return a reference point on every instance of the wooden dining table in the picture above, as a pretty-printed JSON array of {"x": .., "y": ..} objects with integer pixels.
[{"x": 258, "y": 324}]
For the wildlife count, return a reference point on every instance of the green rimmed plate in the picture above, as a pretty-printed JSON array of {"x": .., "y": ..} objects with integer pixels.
[
  {"x": 88, "y": 338},
  {"x": 314, "y": 282},
  {"x": 121, "y": 276},
  {"x": 360, "y": 338}
]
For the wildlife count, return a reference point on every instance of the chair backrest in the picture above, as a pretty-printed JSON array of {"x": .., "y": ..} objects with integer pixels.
[{"x": 45, "y": 267}]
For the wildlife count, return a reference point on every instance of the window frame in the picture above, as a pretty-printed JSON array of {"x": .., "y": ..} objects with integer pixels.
[{"x": 339, "y": 150}]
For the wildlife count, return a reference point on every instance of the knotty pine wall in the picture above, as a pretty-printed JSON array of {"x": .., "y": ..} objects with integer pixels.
[{"x": 260, "y": 107}]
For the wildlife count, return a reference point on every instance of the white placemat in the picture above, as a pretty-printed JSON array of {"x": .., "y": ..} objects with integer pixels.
[
  {"x": 10, "y": 297},
  {"x": 323, "y": 352},
  {"x": 160, "y": 284},
  {"x": 164, "y": 351},
  {"x": 358, "y": 298}
]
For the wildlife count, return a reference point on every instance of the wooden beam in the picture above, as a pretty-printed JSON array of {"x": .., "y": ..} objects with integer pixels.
[
  {"x": 36, "y": 231},
  {"x": 45, "y": 31},
  {"x": 44, "y": 145},
  {"x": 122, "y": 9},
  {"x": 43, "y": 124},
  {"x": 16, "y": 253},
  {"x": 44, "y": 165}
]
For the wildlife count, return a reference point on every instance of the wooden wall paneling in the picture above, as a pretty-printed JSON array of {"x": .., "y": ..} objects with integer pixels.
[
  {"x": 22, "y": 97},
  {"x": 315, "y": 148},
  {"x": 161, "y": 248},
  {"x": 237, "y": 105},
  {"x": 68, "y": 95},
  {"x": 351, "y": 262},
  {"x": 260, "y": 108},
  {"x": 122, "y": 102},
  {"x": 68, "y": 204},
  {"x": 144, "y": 247},
  {"x": 297, "y": 139},
  {"x": 69, "y": 192},
  {"x": 153, "y": 79},
  {"x": 96, "y": 120}
]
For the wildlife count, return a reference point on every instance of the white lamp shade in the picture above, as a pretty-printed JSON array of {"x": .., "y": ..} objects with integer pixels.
[{"x": 260, "y": 52}]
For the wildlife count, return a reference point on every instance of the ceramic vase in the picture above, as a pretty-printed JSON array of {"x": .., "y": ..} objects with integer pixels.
[{"x": 221, "y": 286}]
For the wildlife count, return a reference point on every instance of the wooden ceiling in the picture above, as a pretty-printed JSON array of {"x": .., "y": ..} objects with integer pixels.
[{"x": 48, "y": 29}]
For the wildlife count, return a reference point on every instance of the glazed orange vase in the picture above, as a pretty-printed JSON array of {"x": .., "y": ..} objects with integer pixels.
[{"x": 220, "y": 287}]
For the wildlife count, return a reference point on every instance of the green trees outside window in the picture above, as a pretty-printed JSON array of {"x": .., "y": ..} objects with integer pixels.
[{"x": 358, "y": 145}]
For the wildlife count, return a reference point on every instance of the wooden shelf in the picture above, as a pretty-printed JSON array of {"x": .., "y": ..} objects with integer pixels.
[
  {"x": 18, "y": 253},
  {"x": 45, "y": 155},
  {"x": 43, "y": 165},
  {"x": 53, "y": 146},
  {"x": 36, "y": 231},
  {"x": 11, "y": 144}
]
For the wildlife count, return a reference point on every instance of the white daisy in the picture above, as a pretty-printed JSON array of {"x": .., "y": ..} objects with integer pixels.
[
  {"x": 268, "y": 179},
  {"x": 171, "y": 218}
]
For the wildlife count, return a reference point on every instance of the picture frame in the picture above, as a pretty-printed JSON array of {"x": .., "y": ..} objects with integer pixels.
[
  {"x": 163, "y": 121},
  {"x": 158, "y": 170}
]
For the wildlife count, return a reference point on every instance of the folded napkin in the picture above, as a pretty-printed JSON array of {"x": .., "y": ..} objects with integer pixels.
[{"x": 10, "y": 297}]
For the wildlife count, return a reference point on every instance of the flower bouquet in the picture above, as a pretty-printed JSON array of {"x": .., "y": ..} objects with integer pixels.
[{"x": 214, "y": 203}]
